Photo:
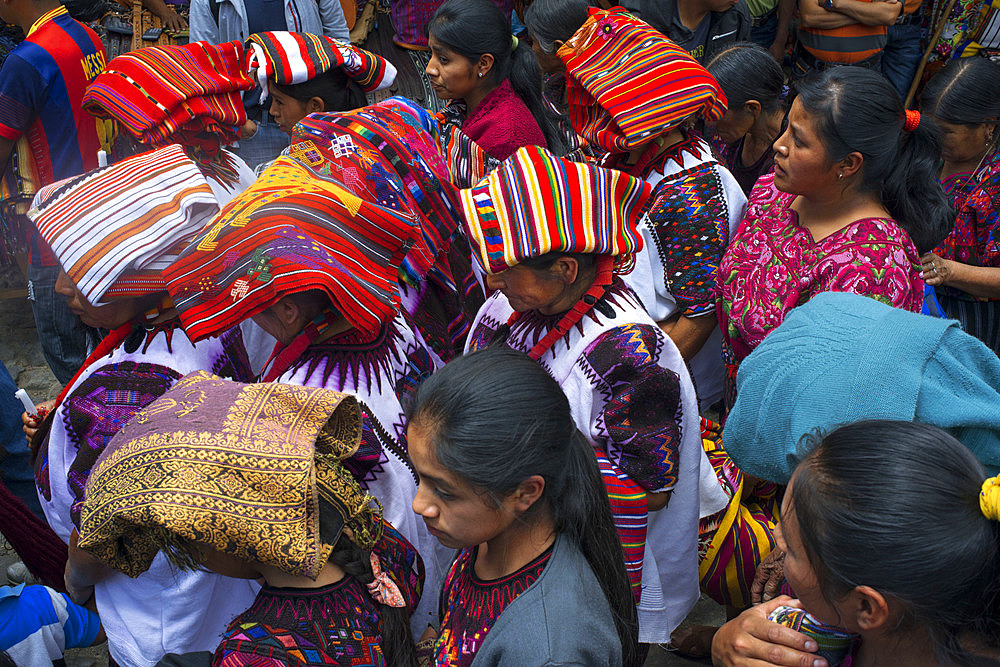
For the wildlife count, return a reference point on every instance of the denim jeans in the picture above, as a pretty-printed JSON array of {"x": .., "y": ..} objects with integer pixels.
[
  {"x": 264, "y": 145},
  {"x": 765, "y": 33},
  {"x": 901, "y": 56},
  {"x": 65, "y": 340},
  {"x": 15, "y": 468}
]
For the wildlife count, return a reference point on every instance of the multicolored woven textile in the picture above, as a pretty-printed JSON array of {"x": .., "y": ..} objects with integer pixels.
[
  {"x": 297, "y": 57},
  {"x": 175, "y": 94},
  {"x": 626, "y": 83},
  {"x": 252, "y": 470},
  {"x": 115, "y": 229},
  {"x": 295, "y": 229},
  {"x": 536, "y": 203}
]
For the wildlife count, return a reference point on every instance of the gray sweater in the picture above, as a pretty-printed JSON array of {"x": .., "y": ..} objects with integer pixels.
[{"x": 563, "y": 618}]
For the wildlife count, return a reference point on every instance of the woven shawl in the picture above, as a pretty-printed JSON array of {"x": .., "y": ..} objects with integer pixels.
[
  {"x": 536, "y": 203},
  {"x": 296, "y": 229},
  {"x": 252, "y": 470},
  {"x": 626, "y": 83},
  {"x": 115, "y": 229}
]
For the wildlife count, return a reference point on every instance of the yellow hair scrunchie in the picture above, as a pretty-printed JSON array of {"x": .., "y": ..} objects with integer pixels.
[
  {"x": 989, "y": 498},
  {"x": 513, "y": 43}
]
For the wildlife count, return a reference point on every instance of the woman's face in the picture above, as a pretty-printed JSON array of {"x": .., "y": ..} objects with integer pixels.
[
  {"x": 734, "y": 125},
  {"x": 452, "y": 75},
  {"x": 457, "y": 514},
  {"x": 798, "y": 570},
  {"x": 528, "y": 289},
  {"x": 287, "y": 110},
  {"x": 801, "y": 164},
  {"x": 963, "y": 143},
  {"x": 106, "y": 316}
]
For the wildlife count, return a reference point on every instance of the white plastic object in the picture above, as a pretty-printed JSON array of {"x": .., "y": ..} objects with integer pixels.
[{"x": 29, "y": 405}]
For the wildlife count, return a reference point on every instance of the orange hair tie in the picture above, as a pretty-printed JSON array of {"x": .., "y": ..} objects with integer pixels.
[{"x": 912, "y": 120}]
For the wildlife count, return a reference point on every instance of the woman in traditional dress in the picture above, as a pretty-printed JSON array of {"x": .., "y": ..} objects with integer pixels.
[
  {"x": 553, "y": 257},
  {"x": 112, "y": 244},
  {"x": 630, "y": 91},
  {"x": 755, "y": 88},
  {"x": 316, "y": 266},
  {"x": 492, "y": 80},
  {"x": 965, "y": 270},
  {"x": 852, "y": 202},
  {"x": 524, "y": 500},
  {"x": 340, "y": 582}
]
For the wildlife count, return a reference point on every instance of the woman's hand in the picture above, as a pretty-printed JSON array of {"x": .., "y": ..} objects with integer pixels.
[
  {"x": 752, "y": 640},
  {"x": 30, "y": 423},
  {"x": 936, "y": 270},
  {"x": 767, "y": 580},
  {"x": 171, "y": 20},
  {"x": 248, "y": 130}
]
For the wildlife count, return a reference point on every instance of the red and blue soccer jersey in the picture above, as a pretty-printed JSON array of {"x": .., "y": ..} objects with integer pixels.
[{"x": 42, "y": 82}]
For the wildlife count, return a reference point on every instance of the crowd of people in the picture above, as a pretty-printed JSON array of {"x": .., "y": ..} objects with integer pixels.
[{"x": 669, "y": 300}]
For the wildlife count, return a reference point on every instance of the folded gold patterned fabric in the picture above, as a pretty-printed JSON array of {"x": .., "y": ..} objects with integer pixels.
[{"x": 252, "y": 470}]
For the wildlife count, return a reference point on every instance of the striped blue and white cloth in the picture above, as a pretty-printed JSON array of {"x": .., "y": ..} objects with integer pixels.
[{"x": 37, "y": 624}]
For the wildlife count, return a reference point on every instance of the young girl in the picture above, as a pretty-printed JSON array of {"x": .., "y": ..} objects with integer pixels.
[
  {"x": 308, "y": 73},
  {"x": 506, "y": 477},
  {"x": 492, "y": 79},
  {"x": 339, "y": 581},
  {"x": 754, "y": 86},
  {"x": 890, "y": 533}
]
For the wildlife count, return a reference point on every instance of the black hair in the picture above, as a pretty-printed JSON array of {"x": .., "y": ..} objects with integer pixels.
[
  {"x": 552, "y": 20},
  {"x": 586, "y": 262},
  {"x": 472, "y": 28},
  {"x": 747, "y": 71},
  {"x": 895, "y": 506},
  {"x": 495, "y": 418},
  {"x": 857, "y": 109},
  {"x": 965, "y": 92},
  {"x": 337, "y": 90},
  {"x": 397, "y": 639}
]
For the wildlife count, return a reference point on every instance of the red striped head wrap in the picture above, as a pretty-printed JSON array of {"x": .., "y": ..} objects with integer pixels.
[
  {"x": 297, "y": 57},
  {"x": 626, "y": 83},
  {"x": 536, "y": 203},
  {"x": 295, "y": 229},
  {"x": 186, "y": 94}
]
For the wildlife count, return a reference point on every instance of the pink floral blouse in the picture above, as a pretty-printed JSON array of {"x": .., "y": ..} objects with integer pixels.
[{"x": 774, "y": 265}]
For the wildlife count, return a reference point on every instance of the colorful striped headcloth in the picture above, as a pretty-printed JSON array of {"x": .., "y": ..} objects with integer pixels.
[
  {"x": 626, "y": 83},
  {"x": 115, "y": 229},
  {"x": 297, "y": 57},
  {"x": 175, "y": 94},
  {"x": 536, "y": 203},
  {"x": 295, "y": 229}
]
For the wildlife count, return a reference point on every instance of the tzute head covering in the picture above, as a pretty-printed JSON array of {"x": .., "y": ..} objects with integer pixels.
[
  {"x": 115, "y": 229},
  {"x": 390, "y": 153},
  {"x": 175, "y": 94},
  {"x": 295, "y": 229},
  {"x": 626, "y": 83},
  {"x": 252, "y": 470},
  {"x": 297, "y": 57},
  {"x": 536, "y": 203}
]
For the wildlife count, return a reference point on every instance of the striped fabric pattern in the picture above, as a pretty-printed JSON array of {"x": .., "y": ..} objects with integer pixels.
[
  {"x": 296, "y": 229},
  {"x": 846, "y": 45},
  {"x": 297, "y": 57},
  {"x": 630, "y": 510},
  {"x": 536, "y": 203},
  {"x": 175, "y": 94},
  {"x": 113, "y": 230},
  {"x": 626, "y": 83}
]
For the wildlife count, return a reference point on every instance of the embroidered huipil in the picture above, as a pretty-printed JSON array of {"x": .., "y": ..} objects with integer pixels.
[
  {"x": 383, "y": 371},
  {"x": 632, "y": 397},
  {"x": 696, "y": 207},
  {"x": 774, "y": 265},
  {"x": 150, "y": 615}
]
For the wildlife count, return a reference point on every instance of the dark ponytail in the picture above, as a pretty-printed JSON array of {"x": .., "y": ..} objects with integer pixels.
[
  {"x": 857, "y": 109},
  {"x": 471, "y": 28},
  {"x": 397, "y": 640},
  {"x": 496, "y": 418},
  {"x": 747, "y": 71},
  {"x": 555, "y": 20},
  {"x": 965, "y": 92},
  {"x": 895, "y": 505},
  {"x": 337, "y": 90}
]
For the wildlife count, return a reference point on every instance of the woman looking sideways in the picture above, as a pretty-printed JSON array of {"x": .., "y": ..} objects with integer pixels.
[
  {"x": 965, "y": 269},
  {"x": 852, "y": 202}
]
